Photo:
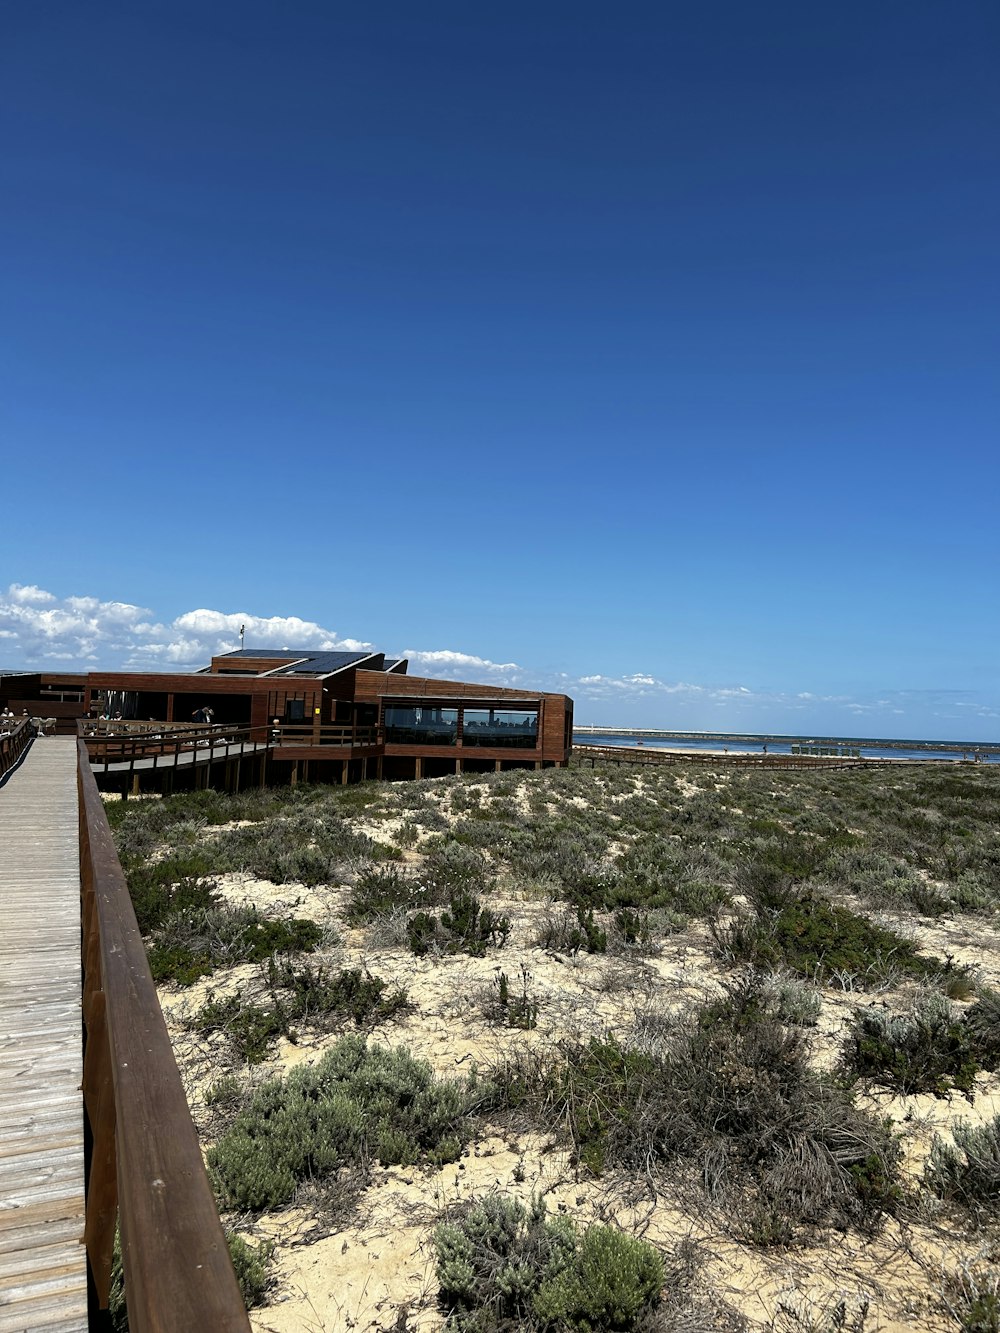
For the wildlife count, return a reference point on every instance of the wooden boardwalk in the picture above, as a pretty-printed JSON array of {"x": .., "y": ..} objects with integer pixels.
[{"x": 43, "y": 1276}]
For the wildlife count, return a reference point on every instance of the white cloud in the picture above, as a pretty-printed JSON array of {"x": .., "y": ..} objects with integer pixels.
[
  {"x": 39, "y": 627},
  {"x": 27, "y": 592},
  {"x": 447, "y": 662}
]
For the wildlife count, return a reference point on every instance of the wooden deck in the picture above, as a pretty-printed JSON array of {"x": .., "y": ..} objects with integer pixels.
[{"x": 43, "y": 1278}]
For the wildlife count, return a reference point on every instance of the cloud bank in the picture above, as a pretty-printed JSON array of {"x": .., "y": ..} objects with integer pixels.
[{"x": 41, "y": 631}]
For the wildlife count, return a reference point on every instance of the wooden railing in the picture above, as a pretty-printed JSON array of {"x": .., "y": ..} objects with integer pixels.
[
  {"x": 158, "y": 744},
  {"x": 14, "y": 744},
  {"x": 145, "y": 1169},
  {"x": 283, "y": 733}
]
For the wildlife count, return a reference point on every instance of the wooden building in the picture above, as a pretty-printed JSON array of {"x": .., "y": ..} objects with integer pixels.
[{"x": 328, "y": 716}]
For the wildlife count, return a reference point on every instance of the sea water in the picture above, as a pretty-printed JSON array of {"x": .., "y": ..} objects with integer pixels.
[{"x": 742, "y": 745}]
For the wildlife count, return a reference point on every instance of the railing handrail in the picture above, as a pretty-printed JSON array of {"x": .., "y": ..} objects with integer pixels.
[
  {"x": 163, "y": 746},
  {"x": 146, "y": 1165},
  {"x": 298, "y": 733},
  {"x": 128, "y": 726},
  {"x": 14, "y": 743}
]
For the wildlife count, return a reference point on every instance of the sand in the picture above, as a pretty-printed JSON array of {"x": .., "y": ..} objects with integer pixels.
[{"x": 376, "y": 1270}]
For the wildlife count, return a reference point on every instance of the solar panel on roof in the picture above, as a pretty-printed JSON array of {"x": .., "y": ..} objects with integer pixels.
[{"x": 321, "y": 664}]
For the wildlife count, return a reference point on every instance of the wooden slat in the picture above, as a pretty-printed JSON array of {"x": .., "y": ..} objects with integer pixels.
[{"x": 43, "y": 1277}]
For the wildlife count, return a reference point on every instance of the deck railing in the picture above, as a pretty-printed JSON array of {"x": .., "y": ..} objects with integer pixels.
[
  {"x": 13, "y": 744},
  {"x": 145, "y": 1168},
  {"x": 284, "y": 733},
  {"x": 158, "y": 745}
]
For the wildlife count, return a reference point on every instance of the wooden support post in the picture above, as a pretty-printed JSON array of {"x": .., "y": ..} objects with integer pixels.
[
  {"x": 418, "y": 768},
  {"x": 378, "y": 768},
  {"x": 496, "y": 765},
  {"x": 295, "y": 774},
  {"x": 135, "y": 784},
  {"x": 458, "y": 765},
  {"x": 343, "y": 772}
]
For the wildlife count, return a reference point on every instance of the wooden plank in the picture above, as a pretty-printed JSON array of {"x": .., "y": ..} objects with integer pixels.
[{"x": 43, "y": 1281}]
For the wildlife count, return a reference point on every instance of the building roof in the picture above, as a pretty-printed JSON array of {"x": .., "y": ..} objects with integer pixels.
[
  {"x": 303, "y": 661},
  {"x": 323, "y": 664},
  {"x": 289, "y": 654}
]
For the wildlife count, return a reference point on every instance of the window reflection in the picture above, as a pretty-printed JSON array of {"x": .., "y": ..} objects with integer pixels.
[
  {"x": 497, "y": 728},
  {"x": 420, "y": 725}
]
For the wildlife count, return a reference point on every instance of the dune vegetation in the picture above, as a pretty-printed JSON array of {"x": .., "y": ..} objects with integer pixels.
[{"x": 611, "y": 1048}]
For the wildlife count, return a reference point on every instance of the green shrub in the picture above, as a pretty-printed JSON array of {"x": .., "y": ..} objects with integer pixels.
[
  {"x": 570, "y": 931},
  {"x": 298, "y": 994},
  {"x": 928, "y": 1050},
  {"x": 378, "y": 890},
  {"x": 730, "y": 1094},
  {"x": 982, "y": 1020},
  {"x": 631, "y": 927},
  {"x": 176, "y": 884},
  {"x": 515, "y": 1009},
  {"x": 307, "y": 846},
  {"x": 194, "y": 943},
  {"x": 251, "y": 1264},
  {"x": 501, "y": 1265},
  {"x": 357, "y": 1103},
  {"x": 805, "y": 933},
  {"x": 467, "y": 927},
  {"x": 967, "y": 1171}
]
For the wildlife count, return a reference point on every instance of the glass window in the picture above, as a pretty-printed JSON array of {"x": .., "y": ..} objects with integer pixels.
[
  {"x": 501, "y": 728},
  {"x": 420, "y": 724}
]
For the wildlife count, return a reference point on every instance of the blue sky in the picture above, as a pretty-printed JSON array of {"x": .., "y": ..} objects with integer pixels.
[{"x": 646, "y": 351}]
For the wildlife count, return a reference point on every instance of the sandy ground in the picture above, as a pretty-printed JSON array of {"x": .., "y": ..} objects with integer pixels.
[{"x": 376, "y": 1271}]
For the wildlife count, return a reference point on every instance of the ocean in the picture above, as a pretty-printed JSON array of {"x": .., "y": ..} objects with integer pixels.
[{"x": 870, "y": 749}]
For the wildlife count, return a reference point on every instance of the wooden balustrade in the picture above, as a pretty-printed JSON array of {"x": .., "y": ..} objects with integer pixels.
[
  {"x": 14, "y": 744},
  {"x": 283, "y": 733},
  {"x": 145, "y": 1167},
  {"x": 159, "y": 745}
]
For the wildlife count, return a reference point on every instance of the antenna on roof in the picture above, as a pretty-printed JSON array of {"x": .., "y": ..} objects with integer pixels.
[{"x": 242, "y": 628}]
